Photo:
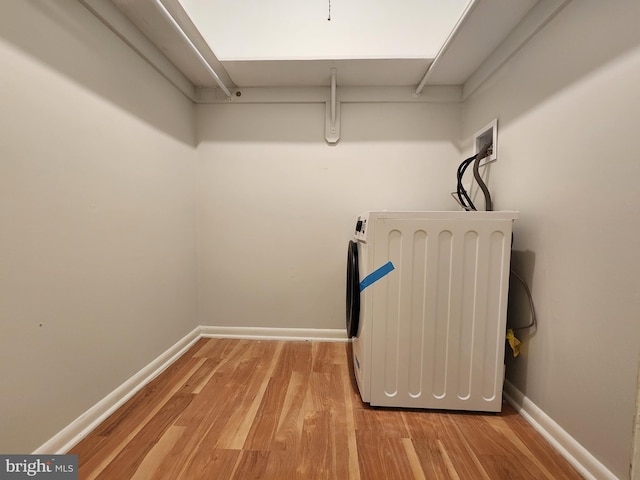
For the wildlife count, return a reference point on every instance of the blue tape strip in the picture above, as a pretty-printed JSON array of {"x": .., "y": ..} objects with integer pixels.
[{"x": 376, "y": 275}]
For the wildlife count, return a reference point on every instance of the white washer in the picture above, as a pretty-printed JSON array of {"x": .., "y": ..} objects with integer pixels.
[
  {"x": 359, "y": 304},
  {"x": 430, "y": 333}
]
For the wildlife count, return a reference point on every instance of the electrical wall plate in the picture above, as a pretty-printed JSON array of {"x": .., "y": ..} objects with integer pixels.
[{"x": 489, "y": 133}]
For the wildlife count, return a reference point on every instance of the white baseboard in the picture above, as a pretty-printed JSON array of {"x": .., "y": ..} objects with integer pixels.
[
  {"x": 62, "y": 442},
  {"x": 68, "y": 437},
  {"x": 581, "y": 459},
  {"x": 263, "y": 333}
]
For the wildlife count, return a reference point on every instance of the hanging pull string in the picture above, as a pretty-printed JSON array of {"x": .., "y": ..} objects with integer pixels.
[{"x": 329, "y": 19}]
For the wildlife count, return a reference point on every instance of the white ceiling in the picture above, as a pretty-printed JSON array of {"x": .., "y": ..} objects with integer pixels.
[
  {"x": 290, "y": 43},
  {"x": 300, "y": 29}
]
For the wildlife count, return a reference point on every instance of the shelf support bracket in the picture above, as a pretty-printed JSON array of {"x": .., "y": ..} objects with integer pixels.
[{"x": 332, "y": 114}]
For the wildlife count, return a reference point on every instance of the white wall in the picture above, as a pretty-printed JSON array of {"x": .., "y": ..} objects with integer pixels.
[
  {"x": 569, "y": 111},
  {"x": 278, "y": 205},
  {"x": 98, "y": 212},
  {"x": 97, "y": 217}
]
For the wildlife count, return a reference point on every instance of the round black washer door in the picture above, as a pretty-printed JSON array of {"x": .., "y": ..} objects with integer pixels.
[{"x": 353, "y": 290}]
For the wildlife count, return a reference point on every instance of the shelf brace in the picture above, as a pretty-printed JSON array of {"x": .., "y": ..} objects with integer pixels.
[
  {"x": 448, "y": 42},
  {"x": 176, "y": 26},
  {"x": 332, "y": 114}
]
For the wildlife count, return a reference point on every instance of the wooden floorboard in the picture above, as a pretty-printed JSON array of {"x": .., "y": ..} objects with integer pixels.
[{"x": 250, "y": 409}]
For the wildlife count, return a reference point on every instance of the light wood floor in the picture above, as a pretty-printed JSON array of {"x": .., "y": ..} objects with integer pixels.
[{"x": 243, "y": 409}]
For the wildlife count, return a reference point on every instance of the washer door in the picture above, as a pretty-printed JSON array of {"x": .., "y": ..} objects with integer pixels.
[{"x": 353, "y": 290}]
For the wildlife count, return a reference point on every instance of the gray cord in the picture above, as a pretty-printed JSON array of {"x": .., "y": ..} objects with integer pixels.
[
  {"x": 532, "y": 309},
  {"x": 488, "y": 205}
]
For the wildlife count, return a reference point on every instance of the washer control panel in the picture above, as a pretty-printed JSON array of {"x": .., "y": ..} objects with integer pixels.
[{"x": 362, "y": 227}]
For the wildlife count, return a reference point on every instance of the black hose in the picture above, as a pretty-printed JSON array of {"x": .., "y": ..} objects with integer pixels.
[
  {"x": 463, "y": 196},
  {"x": 488, "y": 205}
]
